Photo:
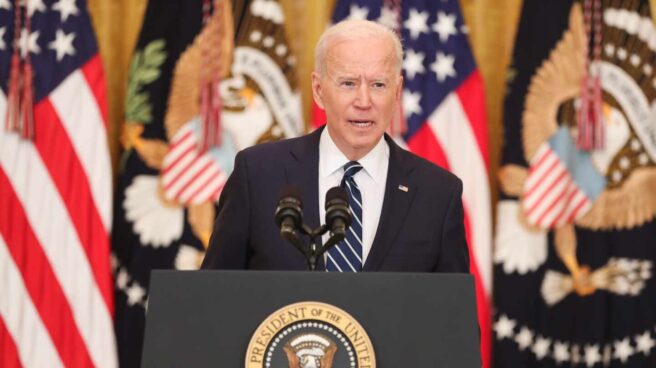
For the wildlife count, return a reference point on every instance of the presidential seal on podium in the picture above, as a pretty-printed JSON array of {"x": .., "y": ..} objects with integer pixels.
[{"x": 310, "y": 335}]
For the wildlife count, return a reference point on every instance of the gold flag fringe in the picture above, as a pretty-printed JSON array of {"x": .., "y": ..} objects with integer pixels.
[{"x": 20, "y": 100}]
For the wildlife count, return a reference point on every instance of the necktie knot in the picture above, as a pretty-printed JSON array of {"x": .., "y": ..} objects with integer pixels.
[{"x": 350, "y": 169}]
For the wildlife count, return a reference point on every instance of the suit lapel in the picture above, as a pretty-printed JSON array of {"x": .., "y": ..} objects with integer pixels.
[
  {"x": 303, "y": 173},
  {"x": 396, "y": 204}
]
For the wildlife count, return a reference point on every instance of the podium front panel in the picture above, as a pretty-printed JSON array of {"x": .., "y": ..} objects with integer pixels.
[{"x": 207, "y": 318}]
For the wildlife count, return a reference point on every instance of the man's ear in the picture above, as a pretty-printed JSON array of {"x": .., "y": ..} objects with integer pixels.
[
  {"x": 317, "y": 93},
  {"x": 399, "y": 88}
]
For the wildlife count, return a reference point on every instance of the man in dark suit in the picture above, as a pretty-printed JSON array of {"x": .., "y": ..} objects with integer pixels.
[{"x": 408, "y": 212}]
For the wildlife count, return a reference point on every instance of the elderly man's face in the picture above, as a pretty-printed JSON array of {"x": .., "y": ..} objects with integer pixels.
[{"x": 360, "y": 91}]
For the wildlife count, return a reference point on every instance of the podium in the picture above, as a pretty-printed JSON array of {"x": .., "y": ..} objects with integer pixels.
[{"x": 218, "y": 318}]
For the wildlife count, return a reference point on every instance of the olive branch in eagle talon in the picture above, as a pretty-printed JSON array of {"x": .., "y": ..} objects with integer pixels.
[{"x": 144, "y": 70}]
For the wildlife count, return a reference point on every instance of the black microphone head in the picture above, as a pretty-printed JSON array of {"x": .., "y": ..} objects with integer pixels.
[
  {"x": 290, "y": 191},
  {"x": 289, "y": 207},
  {"x": 336, "y": 195},
  {"x": 337, "y": 209}
]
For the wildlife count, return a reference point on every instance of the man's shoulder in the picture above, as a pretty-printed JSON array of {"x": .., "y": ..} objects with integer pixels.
[
  {"x": 427, "y": 171},
  {"x": 274, "y": 150}
]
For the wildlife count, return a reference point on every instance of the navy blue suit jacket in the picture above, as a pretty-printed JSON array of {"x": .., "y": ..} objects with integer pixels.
[{"x": 420, "y": 230}]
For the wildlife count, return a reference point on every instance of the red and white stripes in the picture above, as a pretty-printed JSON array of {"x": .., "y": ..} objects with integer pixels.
[
  {"x": 455, "y": 138},
  {"x": 551, "y": 197},
  {"x": 55, "y": 280},
  {"x": 189, "y": 176}
]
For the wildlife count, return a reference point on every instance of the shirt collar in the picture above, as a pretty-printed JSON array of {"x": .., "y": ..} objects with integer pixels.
[{"x": 332, "y": 159}]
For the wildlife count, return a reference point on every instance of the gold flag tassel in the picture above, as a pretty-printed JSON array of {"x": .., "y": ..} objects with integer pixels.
[
  {"x": 27, "y": 98},
  {"x": 210, "y": 99},
  {"x": 20, "y": 101},
  {"x": 590, "y": 118},
  {"x": 13, "y": 96}
]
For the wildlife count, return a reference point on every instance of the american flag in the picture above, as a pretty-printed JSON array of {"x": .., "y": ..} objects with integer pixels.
[
  {"x": 189, "y": 176},
  {"x": 56, "y": 296},
  {"x": 561, "y": 184},
  {"x": 444, "y": 114}
]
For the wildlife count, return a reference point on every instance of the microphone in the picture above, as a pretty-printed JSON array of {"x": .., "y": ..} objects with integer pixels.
[
  {"x": 289, "y": 218},
  {"x": 338, "y": 213},
  {"x": 289, "y": 215}
]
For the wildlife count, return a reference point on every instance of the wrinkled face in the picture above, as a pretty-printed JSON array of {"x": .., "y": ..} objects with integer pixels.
[{"x": 360, "y": 91}]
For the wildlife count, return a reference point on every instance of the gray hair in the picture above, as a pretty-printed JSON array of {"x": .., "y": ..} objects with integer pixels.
[{"x": 355, "y": 29}]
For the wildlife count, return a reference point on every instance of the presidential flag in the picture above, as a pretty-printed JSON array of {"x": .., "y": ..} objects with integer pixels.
[
  {"x": 207, "y": 79},
  {"x": 56, "y": 299},
  {"x": 574, "y": 250},
  {"x": 444, "y": 117}
]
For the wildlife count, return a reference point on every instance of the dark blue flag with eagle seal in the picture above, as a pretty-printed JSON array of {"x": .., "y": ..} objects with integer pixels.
[
  {"x": 576, "y": 233},
  {"x": 168, "y": 183}
]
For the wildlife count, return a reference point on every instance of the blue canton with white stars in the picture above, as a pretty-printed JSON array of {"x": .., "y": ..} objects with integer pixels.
[
  {"x": 437, "y": 57},
  {"x": 60, "y": 41}
]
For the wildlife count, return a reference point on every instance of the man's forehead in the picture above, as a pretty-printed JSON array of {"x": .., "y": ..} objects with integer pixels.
[
  {"x": 352, "y": 65},
  {"x": 365, "y": 49}
]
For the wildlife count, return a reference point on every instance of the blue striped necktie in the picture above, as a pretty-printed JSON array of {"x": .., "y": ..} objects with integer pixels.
[{"x": 347, "y": 255}]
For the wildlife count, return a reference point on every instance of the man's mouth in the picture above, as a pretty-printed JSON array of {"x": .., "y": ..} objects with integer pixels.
[{"x": 361, "y": 123}]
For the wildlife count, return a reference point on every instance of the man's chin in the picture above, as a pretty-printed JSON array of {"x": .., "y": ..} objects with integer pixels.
[{"x": 360, "y": 148}]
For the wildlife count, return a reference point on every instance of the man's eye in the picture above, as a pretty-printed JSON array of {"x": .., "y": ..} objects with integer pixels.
[
  {"x": 348, "y": 84},
  {"x": 379, "y": 85}
]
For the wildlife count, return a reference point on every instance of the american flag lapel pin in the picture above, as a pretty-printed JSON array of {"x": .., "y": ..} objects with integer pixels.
[{"x": 403, "y": 188}]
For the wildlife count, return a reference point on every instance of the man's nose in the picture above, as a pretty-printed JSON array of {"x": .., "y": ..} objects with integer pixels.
[{"x": 363, "y": 97}]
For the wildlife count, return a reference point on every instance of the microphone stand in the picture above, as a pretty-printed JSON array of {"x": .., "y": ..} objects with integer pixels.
[
  {"x": 313, "y": 251},
  {"x": 289, "y": 217}
]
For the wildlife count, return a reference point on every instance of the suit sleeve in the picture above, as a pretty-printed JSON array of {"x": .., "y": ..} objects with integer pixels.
[
  {"x": 454, "y": 253},
  {"x": 229, "y": 243}
]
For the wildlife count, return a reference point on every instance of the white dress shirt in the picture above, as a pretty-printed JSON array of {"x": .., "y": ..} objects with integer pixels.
[{"x": 371, "y": 181}]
